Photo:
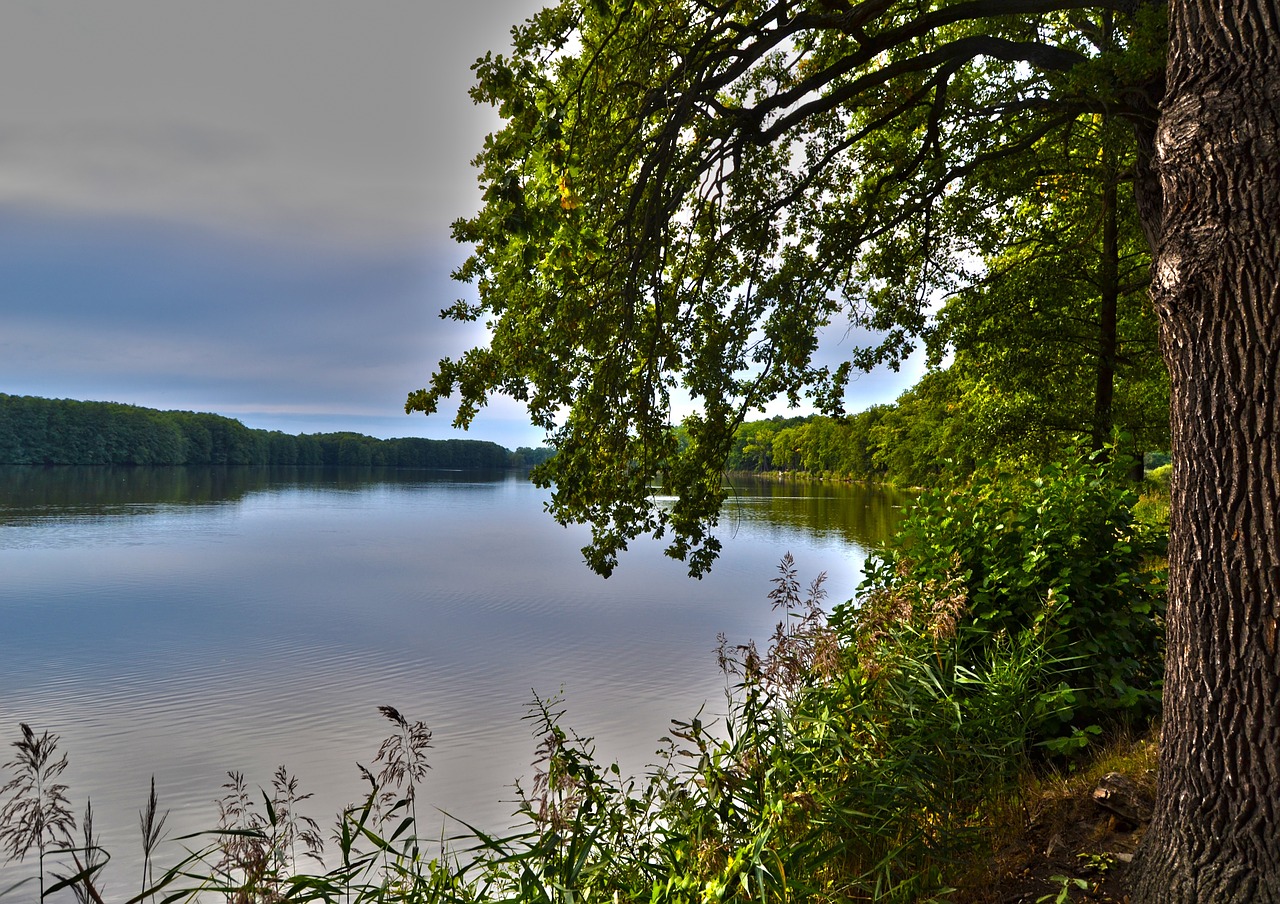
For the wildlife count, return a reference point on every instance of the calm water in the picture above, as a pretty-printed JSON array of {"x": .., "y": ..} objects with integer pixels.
[{"x": 187, "y": 622}]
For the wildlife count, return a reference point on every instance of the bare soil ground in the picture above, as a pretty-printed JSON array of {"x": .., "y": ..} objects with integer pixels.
[{"x": 1070, "y": 847}]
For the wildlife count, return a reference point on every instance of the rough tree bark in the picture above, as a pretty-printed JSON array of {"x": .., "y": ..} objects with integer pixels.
[{"x": 1215, "y": 836}]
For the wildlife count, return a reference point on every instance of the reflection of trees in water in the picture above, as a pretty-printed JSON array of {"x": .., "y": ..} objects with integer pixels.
[
  {"x": 866, "y": 516},
  {"x": 860, "y": 515},
  {"x": 31, "y": 491}
]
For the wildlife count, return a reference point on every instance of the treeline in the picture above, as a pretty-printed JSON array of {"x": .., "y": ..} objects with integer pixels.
[
  {"x": 37, "y": 431},
  {"x": 949, "y": 425}
]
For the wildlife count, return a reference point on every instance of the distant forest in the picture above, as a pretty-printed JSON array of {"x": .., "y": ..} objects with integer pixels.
[{"x": 36, "y": 431}]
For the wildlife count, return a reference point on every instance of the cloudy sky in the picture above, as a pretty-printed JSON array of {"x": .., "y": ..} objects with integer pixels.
[{"x": 243, "y": 206}]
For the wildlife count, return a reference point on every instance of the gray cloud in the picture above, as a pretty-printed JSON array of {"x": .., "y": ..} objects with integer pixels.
[
  {"x": 242, "y": 206},
  {"x": 320, "y": 117}
]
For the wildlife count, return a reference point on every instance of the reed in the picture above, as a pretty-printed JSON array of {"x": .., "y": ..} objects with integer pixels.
[
  {"x": 36, "y": 813},
  {"x": 151, "y": 825},
  {"x": 89, "y": 859},
  {"x": 403, "y": 755}
]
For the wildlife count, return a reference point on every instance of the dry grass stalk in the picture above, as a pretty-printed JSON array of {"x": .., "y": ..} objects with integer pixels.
[
  {"x": 151, "y": 823},
  {"x": 802, "y": 647},
  {"x": 36, "y": 813}
]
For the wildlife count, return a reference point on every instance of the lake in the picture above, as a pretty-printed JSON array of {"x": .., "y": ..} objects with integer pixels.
[{"x": 182, "y": 623}]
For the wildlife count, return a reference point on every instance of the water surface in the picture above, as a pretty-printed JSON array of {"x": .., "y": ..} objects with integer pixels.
[{"x": 185, "y": 622}]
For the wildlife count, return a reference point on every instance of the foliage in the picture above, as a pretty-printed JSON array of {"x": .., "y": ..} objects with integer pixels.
[
  {"x": 930, "y": 435},
  {"x": 816, "y": 445},
  {"x": 951, "y": 423},
  {"x": 1158, "y": 478},
  {"x": 1056, "y": 332},
  {"x": 1056, "y": 555},
  {"x": 1063, "y": 896},
  {"x": 682, "y": 195},
  {"x": 1153, "y": 460},
  {"x": 528, "y": 457},
  {"x": 35, "y": 431},
  {"x": 1154, "y": 501}
]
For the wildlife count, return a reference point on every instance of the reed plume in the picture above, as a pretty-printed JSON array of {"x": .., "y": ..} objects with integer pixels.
[
  {"x": 151, "y": 824},
  {"x": 403, "y": 755},
  {"x": 36, "y": 813}
]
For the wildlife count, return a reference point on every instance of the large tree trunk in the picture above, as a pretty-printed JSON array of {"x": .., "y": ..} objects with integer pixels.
[{"x": 1216, "y": 832}]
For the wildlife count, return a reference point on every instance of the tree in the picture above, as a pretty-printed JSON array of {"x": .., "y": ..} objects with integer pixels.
[
  {"x": 1216, "y": 832},
  {"x": 684, "y": 193},
  {"x": 1059, "y": 328}
]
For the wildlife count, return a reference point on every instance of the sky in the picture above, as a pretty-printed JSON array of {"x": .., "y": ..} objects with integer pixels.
[{"x": 243, "y": 207}]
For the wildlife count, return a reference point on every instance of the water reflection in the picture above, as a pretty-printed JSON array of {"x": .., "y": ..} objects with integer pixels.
[
  {"x": 182, "y": 622},
  {"x": 863, "y": 516},
  {"x": 860, "y": 515},
  {"x": 30, "y": 491}
]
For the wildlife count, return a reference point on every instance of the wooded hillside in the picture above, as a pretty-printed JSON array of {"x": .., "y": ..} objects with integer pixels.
[{"x": 37, "y": 431}]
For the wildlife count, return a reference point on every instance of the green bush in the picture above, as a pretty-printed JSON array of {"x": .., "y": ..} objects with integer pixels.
[
  {"x": 1158, "y": 478},
  {"x": 1056, "y": 555}
]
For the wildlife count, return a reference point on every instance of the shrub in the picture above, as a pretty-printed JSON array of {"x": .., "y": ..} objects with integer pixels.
[
  {"x": 1158, "y": 478},
  {"x": 1055, "y": 557},
  {"x": 1153, "y": 507}
]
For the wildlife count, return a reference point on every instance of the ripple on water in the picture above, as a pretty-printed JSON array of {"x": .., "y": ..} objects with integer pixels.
[{"x": 188, "y": 640}]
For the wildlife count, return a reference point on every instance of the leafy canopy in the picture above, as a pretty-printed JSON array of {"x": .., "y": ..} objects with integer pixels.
[
  {"x": 1057, "y": 331},
  {"x": 683, "y": 193}
]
